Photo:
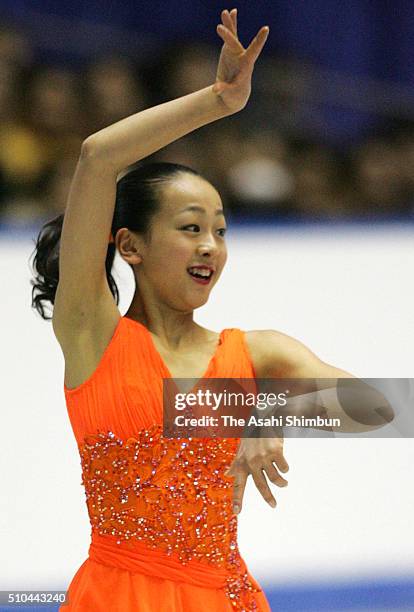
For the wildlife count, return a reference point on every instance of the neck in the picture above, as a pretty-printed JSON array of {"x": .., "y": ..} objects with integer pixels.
[{"x": 172, "y": 327}]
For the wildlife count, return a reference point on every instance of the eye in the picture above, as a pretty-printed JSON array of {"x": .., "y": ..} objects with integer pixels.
[
  {"x": 192, "y": 225},
  {"x": 222, "y": 231}
]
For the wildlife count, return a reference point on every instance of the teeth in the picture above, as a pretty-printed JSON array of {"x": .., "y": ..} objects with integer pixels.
[{"x": 201, "y": 271}]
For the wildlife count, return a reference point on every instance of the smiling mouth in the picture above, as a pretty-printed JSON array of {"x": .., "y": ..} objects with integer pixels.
[{"x": 201, "y": 275}]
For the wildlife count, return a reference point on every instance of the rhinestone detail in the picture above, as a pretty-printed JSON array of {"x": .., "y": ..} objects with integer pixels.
[{"x": 172, "y": 495}]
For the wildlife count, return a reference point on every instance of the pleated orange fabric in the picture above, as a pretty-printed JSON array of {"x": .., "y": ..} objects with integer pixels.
[{"x": 163, "y": 534}]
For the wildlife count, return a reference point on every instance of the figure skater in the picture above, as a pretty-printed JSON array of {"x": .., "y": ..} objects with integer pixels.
[{"x": 163, "y": 512}]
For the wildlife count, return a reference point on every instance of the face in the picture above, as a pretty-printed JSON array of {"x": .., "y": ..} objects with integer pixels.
[{"x": 186, "y": 251}]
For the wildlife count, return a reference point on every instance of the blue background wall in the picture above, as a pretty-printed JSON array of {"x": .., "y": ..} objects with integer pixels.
[{"x": 360, "y": 38}]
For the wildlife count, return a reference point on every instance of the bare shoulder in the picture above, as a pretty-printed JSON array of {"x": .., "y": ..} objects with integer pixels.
[{"x": 276, "y": 354}]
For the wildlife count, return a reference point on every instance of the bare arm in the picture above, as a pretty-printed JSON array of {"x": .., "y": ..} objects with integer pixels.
[
  {"x": 276, "y": 355},
  {"x": 333, "y": 391},
  {"x": 140, "y": 135},
  {"x": 90, "y": 208}
]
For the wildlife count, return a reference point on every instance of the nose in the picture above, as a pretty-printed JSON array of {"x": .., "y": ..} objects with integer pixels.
[
  {"x": 207, "y": 245},
  {"x": 207, "y": 248}
]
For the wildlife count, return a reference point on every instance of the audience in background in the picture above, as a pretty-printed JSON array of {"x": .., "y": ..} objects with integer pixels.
[
  {"x": 113, "y": 90},
  {"x": 262, "y": 165}
]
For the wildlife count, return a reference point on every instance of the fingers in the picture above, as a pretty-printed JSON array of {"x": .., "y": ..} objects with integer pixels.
[
  {"x": 230, "y": 20},
  {"x": 281, "y": 463},
  {"x": 274, "y": 476},
  {"x": 241, "y": 473},
  {"x": 254, "y": 49},
  {"x": 234, "y": 17},
  {"x": 229, "y": 38},
  {"x": 263, "y": 488},
  {"x": 240, "y": 479},
  {"x": 279, "y": 459},
  {"x": 228, "y": 32}
]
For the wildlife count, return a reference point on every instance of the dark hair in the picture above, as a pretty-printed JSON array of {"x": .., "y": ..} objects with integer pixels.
[{"x": 137, "y": 200}]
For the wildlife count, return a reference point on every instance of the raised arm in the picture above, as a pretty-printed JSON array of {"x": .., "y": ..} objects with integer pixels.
[
  {"x": 91, "y": 201},
  {"x": 90, "y": 207}
]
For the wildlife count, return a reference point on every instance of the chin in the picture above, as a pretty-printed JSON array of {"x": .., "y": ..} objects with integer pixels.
[
  {"x": 191, "y": 304},
  {"x": 199, "y": 302}
]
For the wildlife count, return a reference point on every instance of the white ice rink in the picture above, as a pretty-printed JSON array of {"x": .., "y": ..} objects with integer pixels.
[{"x": 347, "y": 293}]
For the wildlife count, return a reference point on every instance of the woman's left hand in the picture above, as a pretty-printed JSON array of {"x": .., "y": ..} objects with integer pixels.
[{"x": 257, "y": 456}]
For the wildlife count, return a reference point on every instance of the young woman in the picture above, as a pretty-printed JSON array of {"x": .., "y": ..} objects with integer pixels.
[{"x": 162, "y": 511}]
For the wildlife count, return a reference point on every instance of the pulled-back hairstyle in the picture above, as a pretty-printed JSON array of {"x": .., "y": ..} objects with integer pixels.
[{"x": 137, "y": 201}]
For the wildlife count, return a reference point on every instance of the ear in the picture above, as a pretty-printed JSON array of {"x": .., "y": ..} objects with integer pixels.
[{"x": 130, "y": 246}]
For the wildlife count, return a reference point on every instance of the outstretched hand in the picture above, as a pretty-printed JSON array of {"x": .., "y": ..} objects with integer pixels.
[
  {"x": 257, "y": 457},
  {"x": 235, "y": 67}
]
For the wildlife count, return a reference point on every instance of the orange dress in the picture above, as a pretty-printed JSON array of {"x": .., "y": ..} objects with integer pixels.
[{"x": 163, "y": 534}]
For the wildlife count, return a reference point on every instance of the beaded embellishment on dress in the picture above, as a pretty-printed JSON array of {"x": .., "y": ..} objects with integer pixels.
[{"x": 172, "y": 495}]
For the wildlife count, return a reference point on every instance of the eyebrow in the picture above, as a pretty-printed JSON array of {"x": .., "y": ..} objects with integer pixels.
[{"x": 195, "y": 208}]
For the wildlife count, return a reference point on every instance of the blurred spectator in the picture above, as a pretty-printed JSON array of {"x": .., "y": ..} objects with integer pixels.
[
  {"x": 9, "y": 91},
  {"x": 15, "y": 48},
  {"x": 114, "y": 91},
  {"x": 405, "y": 153},
  {"x": 188, "y": 151},
  {"x": 379, "y": 181},
  {"x": 260, "y": 181},
  {"x": 49, "y": 127},
  {"x": 183, "y": 68},
  {"x": 267, "y": 161},
  {"x": 54, "y": 104},
  {"x": 58, "y": 184},
  {"x": 15, "y": 57},
  {"x": 319, "y": 190}
]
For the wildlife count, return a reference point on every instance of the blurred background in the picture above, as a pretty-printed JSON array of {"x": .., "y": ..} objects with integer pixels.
[
  {"x": 317, "y": 175},
  {"x": 328, "y": 133}
]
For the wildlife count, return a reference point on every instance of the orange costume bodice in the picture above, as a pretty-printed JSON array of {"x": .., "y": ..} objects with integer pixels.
[{"x": 163, "y": 534}]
